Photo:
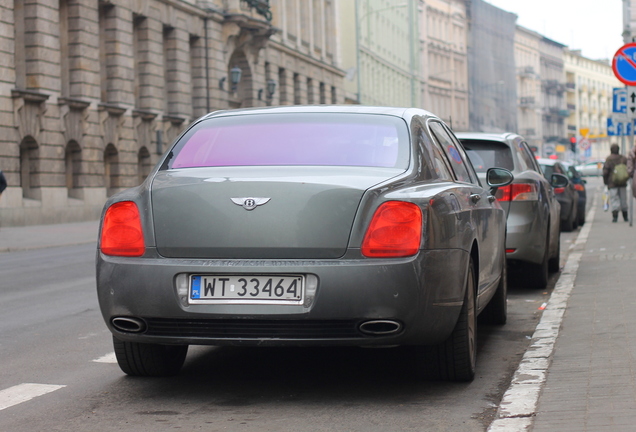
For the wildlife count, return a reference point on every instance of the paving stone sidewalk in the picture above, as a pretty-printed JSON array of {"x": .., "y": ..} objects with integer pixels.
[{"x": 591, "y": 382}]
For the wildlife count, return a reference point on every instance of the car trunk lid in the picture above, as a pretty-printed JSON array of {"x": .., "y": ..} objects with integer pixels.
[{"x": 222, "y": 213}]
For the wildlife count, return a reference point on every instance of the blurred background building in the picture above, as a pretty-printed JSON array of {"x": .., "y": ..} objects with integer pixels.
[{"x": 92, "y": 92}]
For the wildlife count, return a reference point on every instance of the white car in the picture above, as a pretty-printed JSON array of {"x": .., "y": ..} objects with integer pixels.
[{"x": 591, "y": 168}]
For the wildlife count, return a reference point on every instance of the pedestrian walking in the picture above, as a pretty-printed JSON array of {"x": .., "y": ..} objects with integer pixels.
[
  {"x": 631, "y": 168},
  {"x": 3, "y": 183},
  {"x": 615, "y": 176}
]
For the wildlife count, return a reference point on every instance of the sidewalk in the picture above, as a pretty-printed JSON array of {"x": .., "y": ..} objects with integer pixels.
[
  {"x": 591, "y": 382},
  {"x": 41, "y": 236}
]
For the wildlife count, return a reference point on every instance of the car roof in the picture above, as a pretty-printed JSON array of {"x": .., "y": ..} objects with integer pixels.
[
  {"x": 546, "y": 161},
  {"x": 294, "y": 109},
  {"x": 487, "y": 136}
]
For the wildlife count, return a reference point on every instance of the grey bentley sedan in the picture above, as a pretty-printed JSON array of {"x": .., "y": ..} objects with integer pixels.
[{"x": 299, "y": 226}]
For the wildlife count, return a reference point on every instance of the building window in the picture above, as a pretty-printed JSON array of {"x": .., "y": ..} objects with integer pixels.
[
  {"x": 20, "y": 45},
  {"x": 197, "y": 76},
  {"x": 169, "y": 70},
  {"x": 282, "y": 86},
  {"x": 296, "y": 89},
  {"x": 72, "y": 161},
  {"x": 106, "y": 12},
  {"x": 139, "y": 26},
  {"x": 311, "y": 97},
  {"x": 144, "y": 164},
  {"x": 323, "y": 95},
  {"x": 29, "y": 156},
  {"x": 111, "y": 169}
]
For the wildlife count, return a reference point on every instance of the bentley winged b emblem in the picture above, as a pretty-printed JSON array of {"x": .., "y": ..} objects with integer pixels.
[{"x": 250, "y": 203}]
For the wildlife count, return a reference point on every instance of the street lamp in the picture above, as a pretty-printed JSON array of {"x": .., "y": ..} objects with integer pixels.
[
  {"x": 235, "y": 77},
  {"x": 271, "y": 88}
]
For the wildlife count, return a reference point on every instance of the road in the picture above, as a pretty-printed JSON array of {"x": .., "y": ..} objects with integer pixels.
[{"x": 52, "y": 337}]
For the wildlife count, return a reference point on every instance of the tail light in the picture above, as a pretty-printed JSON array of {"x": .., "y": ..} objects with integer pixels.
[
  {"x": 579, "y": 187},
  {"x": 394, "y": 231},
  {"x": 121, "y": 231},
  {"x": 518, "y": 192},
  {"x": 559, "y": 190}
]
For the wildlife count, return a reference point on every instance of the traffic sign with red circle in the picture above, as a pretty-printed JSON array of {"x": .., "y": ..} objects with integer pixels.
[{"x": 624, "y": 64}]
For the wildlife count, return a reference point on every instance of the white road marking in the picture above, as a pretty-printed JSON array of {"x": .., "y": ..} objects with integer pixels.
[
  {"x": 108, "y": 358},
  {"x": 519, "y": 403},
  {"x": 24, "y": 392}
]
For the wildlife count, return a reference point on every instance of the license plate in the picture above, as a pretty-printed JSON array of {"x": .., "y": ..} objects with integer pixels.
[{"x": 246, "y": 289}]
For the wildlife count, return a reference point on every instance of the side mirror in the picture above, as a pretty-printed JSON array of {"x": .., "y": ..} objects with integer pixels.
[
  {"x": 559, "y": 181},
  {"x": 498, "y": 177}
]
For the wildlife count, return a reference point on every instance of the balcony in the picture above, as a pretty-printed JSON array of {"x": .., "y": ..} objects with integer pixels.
[
  {"x": 526, "y": 102},
  {"x": 570, "y": 86},
  {"x": 529, "y": 133},
  {"x": 526, "y": 71},
  {"x": 571, "y": 128},
  {"x": 571, "y": 107}
]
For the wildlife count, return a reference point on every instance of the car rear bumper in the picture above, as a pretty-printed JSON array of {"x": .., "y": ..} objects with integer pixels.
[
  {"x": 526, "y": 233},
  {"x": 419, "y": 297}
]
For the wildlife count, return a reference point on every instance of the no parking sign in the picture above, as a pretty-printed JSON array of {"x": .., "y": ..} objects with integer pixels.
[{"x": 624, "y": 64}]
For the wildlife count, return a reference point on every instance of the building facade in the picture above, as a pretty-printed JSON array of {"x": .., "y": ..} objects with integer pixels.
[
  {"x": 92, "y": 92},
  {"x": 444, "y": 60},
  {"x": 553, "y": 97},
  {"x": 491, "y": 68},
  {"x": 589, "y": 85},
  {"x": 379, "y": 50},
  {"x": 529, "y": 112}
]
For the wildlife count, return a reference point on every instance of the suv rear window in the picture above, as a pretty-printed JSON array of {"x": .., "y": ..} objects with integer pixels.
[
  {"x": 488, "y": 154},
  {"x": 325, "y": 139}
]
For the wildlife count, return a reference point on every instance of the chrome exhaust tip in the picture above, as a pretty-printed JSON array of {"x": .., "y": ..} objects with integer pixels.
[
  {"x": 128, "y": 324},
  {"x": 381, "y": 327}
]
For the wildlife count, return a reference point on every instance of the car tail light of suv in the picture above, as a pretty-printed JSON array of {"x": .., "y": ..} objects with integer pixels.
[
  {"x": 394, "y": 231},
  {"x": 122, "y": 234},
  {"x": 518, "y": 192}
]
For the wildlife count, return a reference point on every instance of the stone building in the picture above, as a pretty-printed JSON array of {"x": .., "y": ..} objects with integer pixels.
[
  {"x": 491, "y": 68},
  {"x": 444, "y": 62},
  {"x": 589, "y": 85},
  {"x": 553, "y": 88},
  {"x": 93, "y": 91},
  {"x": 379, "y": 49},
  {"x": 529, "y": 112}
]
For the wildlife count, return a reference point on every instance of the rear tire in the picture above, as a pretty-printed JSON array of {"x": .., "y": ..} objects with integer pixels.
[
  {"x": 554, "y": 263},
  {"x": 150, "y": 360},
  {"x": 496, "y": 312},
  {"x": 537, "y": 274},
  {"x": 568, "y": 225},
  {"x": 455, "y": 358}
]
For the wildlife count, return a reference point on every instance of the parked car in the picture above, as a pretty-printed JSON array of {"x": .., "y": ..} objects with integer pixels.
[
  {"x": 361, "y": 226},
  {"x": 579, "y": 184},
  {"x": 568, "y": 196},
  {"x": 533, "y": 212},
  {"x": 591, "y": 168}
]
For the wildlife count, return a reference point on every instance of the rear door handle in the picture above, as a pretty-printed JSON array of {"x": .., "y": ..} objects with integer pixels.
[{"x": 475, "y": 197}]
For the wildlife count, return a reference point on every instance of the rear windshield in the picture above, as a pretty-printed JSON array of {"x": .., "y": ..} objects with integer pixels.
[
  {"x": 488, "y": 154},
  {"x": 295, "y": 139}
]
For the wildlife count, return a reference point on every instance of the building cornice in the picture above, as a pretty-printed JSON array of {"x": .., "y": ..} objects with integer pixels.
[{"x": 318, "y": 63}]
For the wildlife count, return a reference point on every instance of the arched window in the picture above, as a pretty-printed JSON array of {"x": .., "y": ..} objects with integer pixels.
[
  {"x": 29, "y": 175},
  {"x": 72, "y": 160},
  {"x": 111, "y": 169},
  {"x": 144, "y": 164}
]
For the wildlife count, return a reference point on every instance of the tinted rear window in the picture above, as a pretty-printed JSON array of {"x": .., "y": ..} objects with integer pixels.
[
  {"x": 488, "y": 154},
  {"x": 295, "y": 139}
]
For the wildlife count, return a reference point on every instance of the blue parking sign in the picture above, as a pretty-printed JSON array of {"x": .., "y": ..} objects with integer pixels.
[{"x": 619, "y": 100}]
